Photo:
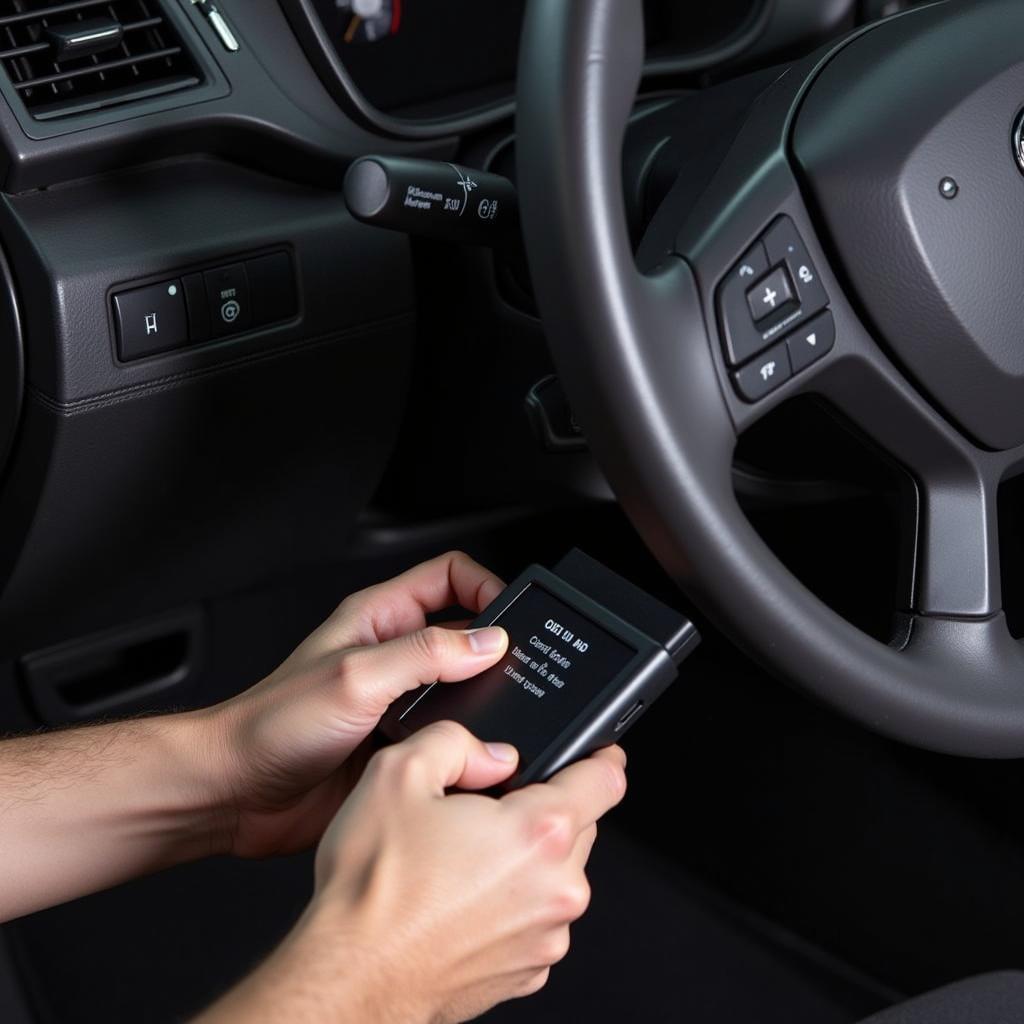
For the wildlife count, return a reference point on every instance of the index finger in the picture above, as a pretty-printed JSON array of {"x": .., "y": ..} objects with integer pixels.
[
  {"x": 400, "y": 605},
  {"x": 587, "y": 790},
  {"x": 450, "y": 755}
]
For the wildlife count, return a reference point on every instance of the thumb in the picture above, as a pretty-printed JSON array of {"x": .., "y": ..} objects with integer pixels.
[
  {"x": 452, "y": 756},
  {"x": 381, "y": 673}
]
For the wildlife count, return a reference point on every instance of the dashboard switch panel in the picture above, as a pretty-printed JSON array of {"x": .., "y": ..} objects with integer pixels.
[
  {"x": 205, "y": 304},
  {"x": 151, "y": 319}
]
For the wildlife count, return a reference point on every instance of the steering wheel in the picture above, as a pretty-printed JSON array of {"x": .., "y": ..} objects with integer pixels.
[{"x": 863, "y": 241}]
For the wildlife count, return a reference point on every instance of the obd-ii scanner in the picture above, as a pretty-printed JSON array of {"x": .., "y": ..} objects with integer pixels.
[{"x": 588, "y": 653}]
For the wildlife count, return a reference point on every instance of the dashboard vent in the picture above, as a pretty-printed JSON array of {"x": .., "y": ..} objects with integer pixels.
[{"x": 68, "y": 56}]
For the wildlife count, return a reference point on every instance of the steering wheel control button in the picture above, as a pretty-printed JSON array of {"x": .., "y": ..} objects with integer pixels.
[
  {"x": 552, "y": 420},
  {"x": 784, "y": 246},
  {"x": 812, "y": 341},
  {"x": 151, "y": 320},
  {"x": 753, "y": 265},
  {"x": 742, "y": 338},
  {"x": 772, "y": 290},
  {"x": 227, "y": 290},
  {"x": 764, "y": 375},
  {"x": 771, "y": 295},
  {"x": 272, "y": 288}
]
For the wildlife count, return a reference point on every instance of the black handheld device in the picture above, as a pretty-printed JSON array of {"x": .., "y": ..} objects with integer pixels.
[{"x": 588, "y": 653}]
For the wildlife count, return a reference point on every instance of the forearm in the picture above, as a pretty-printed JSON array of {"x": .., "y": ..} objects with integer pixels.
[{"x": 84, "y": 809}]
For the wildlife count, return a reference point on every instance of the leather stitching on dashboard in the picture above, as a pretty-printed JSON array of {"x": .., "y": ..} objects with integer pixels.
[{"x": 161, "y": 384}]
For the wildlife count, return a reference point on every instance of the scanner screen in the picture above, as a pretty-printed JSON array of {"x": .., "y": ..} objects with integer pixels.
[{"x": 557, "y": 661}]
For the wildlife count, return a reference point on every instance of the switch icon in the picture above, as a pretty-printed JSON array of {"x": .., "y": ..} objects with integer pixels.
[{"x": 229, "y": 298}]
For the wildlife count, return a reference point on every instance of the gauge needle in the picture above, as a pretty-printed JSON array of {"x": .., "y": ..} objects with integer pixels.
[{"x": 353, "y": 26}]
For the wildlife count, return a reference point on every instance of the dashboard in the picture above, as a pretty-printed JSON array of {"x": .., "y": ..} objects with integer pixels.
[
  {"x": 403, "y": 65},
  {"x": 185, "y": 290}
]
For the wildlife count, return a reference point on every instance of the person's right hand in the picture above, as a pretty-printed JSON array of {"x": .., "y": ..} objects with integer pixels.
[
  {"x": 463, "y": 901},
  {"x": 433, "y": 906}
]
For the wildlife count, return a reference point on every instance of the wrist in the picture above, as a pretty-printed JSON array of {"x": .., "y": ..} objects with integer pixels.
[
  {"x": 205, "y": 767},
  {"x": 339, "y": 937},
  {"x": 326, "y": 969}
]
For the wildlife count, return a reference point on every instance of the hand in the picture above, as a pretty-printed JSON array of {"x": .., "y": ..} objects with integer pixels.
[
  {"x": 460, "y": 900},
  {"x": 433, "y": 906},
  {"x": 287, "y": 752}
]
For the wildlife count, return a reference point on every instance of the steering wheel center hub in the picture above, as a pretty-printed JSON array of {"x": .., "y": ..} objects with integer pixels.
[{"x": 910, "y": 143}]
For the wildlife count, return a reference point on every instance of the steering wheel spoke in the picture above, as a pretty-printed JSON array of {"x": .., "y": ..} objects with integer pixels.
[
  {"x": 955, "y": 547},
  {"x": 953, "y": 543}
]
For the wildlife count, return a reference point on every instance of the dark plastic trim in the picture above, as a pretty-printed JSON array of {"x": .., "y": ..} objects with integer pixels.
[{"x": 51, "y": 675}]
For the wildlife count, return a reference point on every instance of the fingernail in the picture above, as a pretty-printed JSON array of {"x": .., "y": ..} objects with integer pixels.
[
  {"x": 487, "y": 640},
  {"x": 502, "y": 752}
]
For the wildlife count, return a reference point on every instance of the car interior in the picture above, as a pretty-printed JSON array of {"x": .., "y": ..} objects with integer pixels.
[{"x": 298, "y": 293}]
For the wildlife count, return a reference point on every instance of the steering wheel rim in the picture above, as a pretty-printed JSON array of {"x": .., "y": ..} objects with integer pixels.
[{"x": 639, "y": 358}]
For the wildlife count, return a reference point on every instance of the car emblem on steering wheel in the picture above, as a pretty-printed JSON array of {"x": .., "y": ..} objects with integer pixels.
[{"x": 1018, "y": 140}]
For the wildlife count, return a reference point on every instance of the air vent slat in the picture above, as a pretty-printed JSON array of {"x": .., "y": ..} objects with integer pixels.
[
  {"x": 99, "y": 68},
  {"x": 40, "y": 37},
  {"x": 24, "y": 51}
]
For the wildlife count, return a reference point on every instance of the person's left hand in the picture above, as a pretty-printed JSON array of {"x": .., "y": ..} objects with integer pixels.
[{"x": 288, "y": 751}]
